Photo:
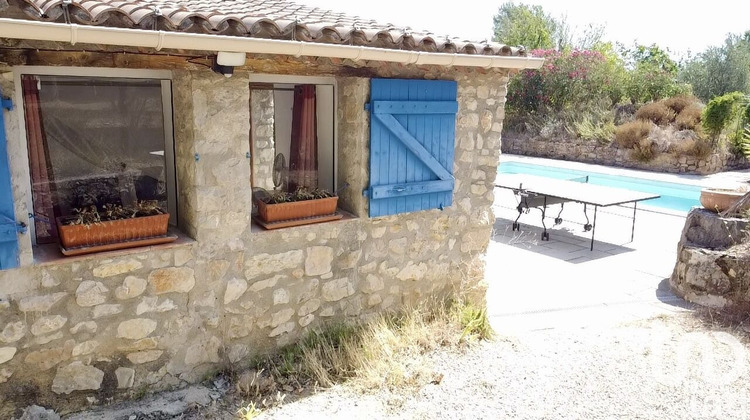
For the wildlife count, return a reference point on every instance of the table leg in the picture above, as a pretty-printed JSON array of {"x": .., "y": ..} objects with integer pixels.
[
  {"x": 632, "y": 229},
  {"x": 593, "y": 228}
]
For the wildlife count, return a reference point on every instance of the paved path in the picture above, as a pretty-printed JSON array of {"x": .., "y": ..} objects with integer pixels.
[{"x": 536, "y": 284}]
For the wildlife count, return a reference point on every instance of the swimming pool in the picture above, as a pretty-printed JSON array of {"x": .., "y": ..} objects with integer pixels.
[{"x": 674, "y": 196}]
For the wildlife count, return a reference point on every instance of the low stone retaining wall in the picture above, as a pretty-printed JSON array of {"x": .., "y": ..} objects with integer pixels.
[
  {"x": 610, "y": 154},
  {"x": 713, "y": 261}
]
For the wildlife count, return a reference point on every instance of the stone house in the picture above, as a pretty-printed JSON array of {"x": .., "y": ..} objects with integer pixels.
[{"x": 192, "y": 105}]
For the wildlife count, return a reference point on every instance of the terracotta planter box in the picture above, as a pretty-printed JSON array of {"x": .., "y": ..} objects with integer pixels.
[
  {"x": 114, "y": 231},
  {"x": 718, "y": 200},
  {"x": 270, "y": 213}
]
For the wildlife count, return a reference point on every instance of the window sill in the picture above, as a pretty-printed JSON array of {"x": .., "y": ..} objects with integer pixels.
[
  {"x": 257, "y": 228},
  {"x": 49, "y": 254}
]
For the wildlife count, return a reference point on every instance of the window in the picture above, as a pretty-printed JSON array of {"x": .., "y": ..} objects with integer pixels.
[
  {"x": 293, "y": 136},
  {"x": 96, "y": 141}
]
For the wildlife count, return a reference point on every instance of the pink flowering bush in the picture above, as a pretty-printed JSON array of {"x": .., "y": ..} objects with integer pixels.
[{"x": 568, "y": 80}]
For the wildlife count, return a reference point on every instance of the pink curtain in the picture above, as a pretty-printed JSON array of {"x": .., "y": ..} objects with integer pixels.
[
  {"x": 44, "y": 217},
  {"x": 303, "y": 162}
]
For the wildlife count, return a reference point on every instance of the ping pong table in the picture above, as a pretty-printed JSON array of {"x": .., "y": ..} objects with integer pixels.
[{"x": 541, "y": 192}]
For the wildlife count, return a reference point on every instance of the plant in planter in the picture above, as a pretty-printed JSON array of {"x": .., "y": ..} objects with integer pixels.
[
  {"x": 114, "y": 226},
  {"x": 303, "y": 206}
]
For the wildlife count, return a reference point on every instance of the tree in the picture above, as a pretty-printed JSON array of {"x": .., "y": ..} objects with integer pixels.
[
  {"x": 524, "y": 25},
  {"x": 720, "y": 70}
]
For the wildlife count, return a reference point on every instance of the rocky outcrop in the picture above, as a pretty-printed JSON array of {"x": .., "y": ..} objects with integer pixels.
[{"x": 713, "y": 261}]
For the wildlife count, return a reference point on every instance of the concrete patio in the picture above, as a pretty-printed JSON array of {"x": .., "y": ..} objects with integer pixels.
[{"x": 560, "y": 283}]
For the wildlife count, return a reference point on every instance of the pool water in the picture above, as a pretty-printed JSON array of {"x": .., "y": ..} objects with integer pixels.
[{"x": 674, "y": 196}]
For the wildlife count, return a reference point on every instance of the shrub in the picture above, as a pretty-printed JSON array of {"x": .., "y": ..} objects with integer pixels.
[
  {"x": 643, "y": 151},
  {"x": 630, "y": 134},
  {"x": 646, "y": 84},
  {"x": 657, "y": 112},
  {"x": 680, "y": 102},
  {"x": 695, "y": 147},
  {"x": 689, "y": 118},
  {"x": 567, "y": 80},
  {"x": 718, "y": 112},
  {"x": 601, "y": 131}
]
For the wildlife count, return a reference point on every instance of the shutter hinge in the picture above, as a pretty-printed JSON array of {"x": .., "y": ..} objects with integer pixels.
[
  {"x": 366, "y": 192},
  {"x": 6, "y": 103},
  {"x": 367, "y": 106}
]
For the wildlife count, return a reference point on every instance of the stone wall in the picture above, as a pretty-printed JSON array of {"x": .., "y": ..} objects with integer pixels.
[
  {"x": 261, "y": 106},
  {"x": 713, "y": 261},
  {"x": 91, "y": 329},
  {"x": 611, "y": 155}
]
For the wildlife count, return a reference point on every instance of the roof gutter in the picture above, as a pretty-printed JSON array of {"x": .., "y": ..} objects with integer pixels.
[{"x": 72, "y": 33}]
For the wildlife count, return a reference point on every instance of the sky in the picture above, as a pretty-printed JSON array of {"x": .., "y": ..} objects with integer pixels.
[{"x": 680, "y": 26}]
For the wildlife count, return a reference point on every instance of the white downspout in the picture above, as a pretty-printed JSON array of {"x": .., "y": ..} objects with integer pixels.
[{"x": 72, "y": 33}]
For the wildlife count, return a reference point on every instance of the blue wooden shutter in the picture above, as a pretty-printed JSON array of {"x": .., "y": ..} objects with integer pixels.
[
  {"x": 8, "y": 225},
  {"x": 412, "y": 137}
]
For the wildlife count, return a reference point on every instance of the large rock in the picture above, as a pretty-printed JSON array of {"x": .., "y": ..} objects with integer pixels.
[
  {"x": 40, "y": 303},
  {"x": 266, "y": 264},
  {"x": 151, "y": 304},
  {"x": 705, "y": 229},
  {"x": 713, "y": 261},
  {"x": 48, "y": 324},
  {"x": 235, "y": 289},
  {"x": 13, "y": 332},
  {"x": 91, "y": 293},
  {"x": 203, "y": 352},
  {"x": 338, "y": 289},
  {"x": 172, "y": 279},
  {"x": 318, "y": 260},
  {"x": 77, "y": 377},
  {"x": 6, "y": 353},
  {"x": 106, "y": 309},
  {"x": 135, "y": 329},
  {"x": 117, "y": 268},
  {"x": 36, "y": 412},
  {"x": 131, "y": 287},
  {"x": 125, "y": 377}
]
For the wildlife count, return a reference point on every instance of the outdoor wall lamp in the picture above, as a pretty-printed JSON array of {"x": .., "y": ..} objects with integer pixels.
[{"x": 225, "y": 62}]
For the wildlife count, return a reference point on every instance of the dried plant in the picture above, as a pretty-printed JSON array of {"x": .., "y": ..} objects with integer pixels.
[
  {"x": 90, "y": 215},
  {"x": 300, "y": 194}
]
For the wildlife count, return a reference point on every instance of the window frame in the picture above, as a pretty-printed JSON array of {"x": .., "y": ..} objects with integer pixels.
[
  {"x": 164, "y": 76},
  {"x": 312, "y": 80}
]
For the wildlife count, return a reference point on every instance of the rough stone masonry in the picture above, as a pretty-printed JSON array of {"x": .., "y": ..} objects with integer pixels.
[{"x": 91, "y": 329}]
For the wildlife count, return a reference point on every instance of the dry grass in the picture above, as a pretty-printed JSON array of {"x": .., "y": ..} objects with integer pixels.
[
  {"x": 644, "y": 150},
  {"x": 679, "y": 103},
  {"x": 390, "y": 351},
  {"x": 629, "y": 135},
  {"x": 656, "y": 112},
  {"x": 689, "y": 118},
  {"x": 696, "y": 147}
]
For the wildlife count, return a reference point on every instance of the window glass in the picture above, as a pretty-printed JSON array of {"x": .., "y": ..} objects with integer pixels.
[
  {"x": 293, "y": 134},
  {"x": 92, "y": 141}
]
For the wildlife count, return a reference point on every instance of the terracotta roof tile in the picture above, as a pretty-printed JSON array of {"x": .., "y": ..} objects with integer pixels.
[{"x": 277, "y": 19}]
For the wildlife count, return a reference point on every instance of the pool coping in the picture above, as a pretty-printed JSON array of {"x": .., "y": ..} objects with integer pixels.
[{"x": 729, "y": 179}]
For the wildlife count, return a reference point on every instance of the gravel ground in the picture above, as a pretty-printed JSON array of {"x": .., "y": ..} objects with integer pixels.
[{"x": 671, "y": 367}]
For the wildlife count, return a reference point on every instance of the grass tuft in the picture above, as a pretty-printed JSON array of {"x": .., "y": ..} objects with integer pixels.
[{"x": 389, "y": 351}]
